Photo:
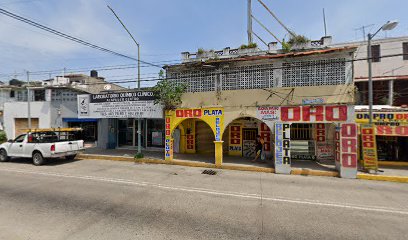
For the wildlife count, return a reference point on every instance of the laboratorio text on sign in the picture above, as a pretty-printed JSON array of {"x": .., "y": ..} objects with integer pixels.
[{"x": 138, "y": 104}]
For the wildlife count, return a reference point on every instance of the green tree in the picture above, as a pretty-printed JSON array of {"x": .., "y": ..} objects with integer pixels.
[
  {"x": 168, "y": 93},
  {"x": 3, "y": 137}
]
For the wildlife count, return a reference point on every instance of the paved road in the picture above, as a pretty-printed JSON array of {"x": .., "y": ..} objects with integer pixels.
[{"x": 114, "y": 200}]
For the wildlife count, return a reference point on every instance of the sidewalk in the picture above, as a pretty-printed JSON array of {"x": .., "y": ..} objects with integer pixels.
[{"x": 299, "y": 167}]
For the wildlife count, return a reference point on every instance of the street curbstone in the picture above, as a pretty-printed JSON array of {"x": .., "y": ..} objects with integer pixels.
[{"x": 399, "y": 179}]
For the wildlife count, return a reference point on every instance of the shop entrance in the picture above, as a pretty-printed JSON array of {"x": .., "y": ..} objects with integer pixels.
[
  {"x": 127, "y": 132},
  {"x": 302, "y": 141},
  {"x": 240, "y": 140},
  {"x": 249, "y": 142},
  {"x": 392, "y": 148}
]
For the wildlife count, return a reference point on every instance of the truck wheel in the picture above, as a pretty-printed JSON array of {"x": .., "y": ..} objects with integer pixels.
[
  {"x": 70, "y": 157},
  {"x": 38, "y": 159},
  {"x": 3, "y": 156}
]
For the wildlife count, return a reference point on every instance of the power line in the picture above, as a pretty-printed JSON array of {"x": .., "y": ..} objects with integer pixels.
[
  {"x": 66, "y": 36},
  {"x": 151, "y": 79},
  {"x": 237, "y": 71}
]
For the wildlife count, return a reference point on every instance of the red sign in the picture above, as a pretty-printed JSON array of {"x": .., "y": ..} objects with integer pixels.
[
  {"x": 265, "y": 134},
  {"x": 189, "y": 113},
  {"x": 320, "y": 132},
  {"x": 392, "y": 130},
  {"x": 338, "y": 113},
  {"x": 235, "y": 135},
  {"x": 348, "y": 137}
]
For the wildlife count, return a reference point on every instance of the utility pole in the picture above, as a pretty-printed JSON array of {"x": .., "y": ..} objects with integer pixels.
[
  {"x": 249, "y": 27},
  {"x": 139, "y": 122},
  {"x": 28, "y": 101}
]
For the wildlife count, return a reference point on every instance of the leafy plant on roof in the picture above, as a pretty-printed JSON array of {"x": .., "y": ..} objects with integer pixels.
[
  {"x": 168, "y": 92},
  {"x": 293, "y": 41},
  {"x": 200, "y": 51},
  {"x": 250, "y": 45},
  {"x": 286, "y": 47},
  {"x": 298, "y": 40}
]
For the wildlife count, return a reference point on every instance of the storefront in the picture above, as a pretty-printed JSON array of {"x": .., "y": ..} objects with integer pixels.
[
  {"x": 118, "y": 115},
  {"x": 391, "y": 132},
  {"x": 89, "y": 127},
  {"x": 289, "y": 132}
]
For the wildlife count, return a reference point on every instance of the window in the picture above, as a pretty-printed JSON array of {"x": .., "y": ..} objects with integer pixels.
[
  {"x": 405, "y": 50},
  {"x": 39, "y": 95},
  {"x": 376, "y": 53},
  {"x": 20, "y": 138},
  {"x": 12, "y": 94}
]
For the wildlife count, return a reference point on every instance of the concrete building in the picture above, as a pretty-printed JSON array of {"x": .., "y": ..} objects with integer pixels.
[
  {"x": 301, "y": 103},
  {"x": 50, "y": 107},
  {"x": 53, "y": 103},
  {"x": 91, "y": 84},
  {"x": 390, "y": 84}
]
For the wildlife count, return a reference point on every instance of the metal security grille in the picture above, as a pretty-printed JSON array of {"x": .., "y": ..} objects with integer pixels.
[
  {"x": 301, "y": 131},
  {"x": 314, "y": 73}
]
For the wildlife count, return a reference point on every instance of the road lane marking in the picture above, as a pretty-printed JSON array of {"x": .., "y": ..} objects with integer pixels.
[{"x": 214, "y": 192}]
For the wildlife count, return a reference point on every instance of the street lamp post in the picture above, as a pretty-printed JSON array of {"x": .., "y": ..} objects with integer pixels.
[
  {"x": 386, "y": 27},
  {"x": 139, "y": 122}
]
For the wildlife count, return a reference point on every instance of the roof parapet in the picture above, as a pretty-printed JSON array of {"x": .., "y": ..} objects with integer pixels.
[{"x": 202, "y": 56}]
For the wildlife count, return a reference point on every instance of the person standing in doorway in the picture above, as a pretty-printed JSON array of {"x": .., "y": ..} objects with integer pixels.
[{"x": 259, "y": 150}]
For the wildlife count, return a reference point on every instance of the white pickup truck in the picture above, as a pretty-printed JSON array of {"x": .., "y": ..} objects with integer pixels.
[{"x": 41, "y": 146}]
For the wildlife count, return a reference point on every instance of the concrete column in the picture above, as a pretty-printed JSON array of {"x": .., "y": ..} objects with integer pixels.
[
  {"x": 391, "y": 92},
  {"x": 218, "y": 153}
]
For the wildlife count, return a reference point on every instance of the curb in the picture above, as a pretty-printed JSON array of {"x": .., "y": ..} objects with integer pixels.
[
  {"x": 104, "y": 157},
  {"x": 398, "y": 179},
  {"x": 392, "y": 164}
]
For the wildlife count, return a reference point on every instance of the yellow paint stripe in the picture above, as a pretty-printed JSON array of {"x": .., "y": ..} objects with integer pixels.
[
  {"x": 399, "y": 179},
  {"x": 392, "y": 164}
]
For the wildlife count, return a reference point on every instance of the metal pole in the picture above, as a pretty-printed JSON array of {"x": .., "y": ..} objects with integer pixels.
[
  {"x": 324, "y": 21},
  {"x": 139, "y": 122},
  {"x": 391, "y": 92},
  {"x": 28, "y": 101},
  {"x": 370, "y": 80},
  {"x": 249, "y": 27}
]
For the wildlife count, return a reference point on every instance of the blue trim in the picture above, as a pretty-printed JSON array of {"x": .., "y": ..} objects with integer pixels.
[{"x": 79, "y": 120}]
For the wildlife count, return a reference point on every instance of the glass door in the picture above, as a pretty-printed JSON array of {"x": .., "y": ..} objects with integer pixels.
[{"x": 125, "y": 132}]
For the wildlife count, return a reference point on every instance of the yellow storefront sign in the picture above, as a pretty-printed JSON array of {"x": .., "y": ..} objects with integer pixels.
[
  {"x": 382, "y": 117},
  {"x": 369, "y": 147},
  {"x": 214, "y": 117}
]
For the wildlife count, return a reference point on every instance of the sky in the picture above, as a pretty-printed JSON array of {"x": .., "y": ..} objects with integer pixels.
[{"x": 164, "y": 29}]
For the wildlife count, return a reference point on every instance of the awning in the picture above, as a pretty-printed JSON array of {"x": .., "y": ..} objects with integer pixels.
[{"x": 68, "y": 120}]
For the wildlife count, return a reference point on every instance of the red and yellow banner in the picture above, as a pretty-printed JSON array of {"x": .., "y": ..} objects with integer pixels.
[{"x": 369, "y": 147}]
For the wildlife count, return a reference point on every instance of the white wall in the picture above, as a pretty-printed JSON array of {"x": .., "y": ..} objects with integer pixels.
[
  {"x": 12, "y": 110},
  {"x": 393, "y": 66}
]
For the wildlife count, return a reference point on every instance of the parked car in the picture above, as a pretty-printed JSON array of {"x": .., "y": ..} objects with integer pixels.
[{"x": 42, "y": 144}]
